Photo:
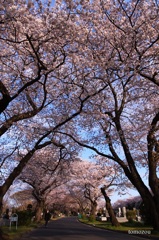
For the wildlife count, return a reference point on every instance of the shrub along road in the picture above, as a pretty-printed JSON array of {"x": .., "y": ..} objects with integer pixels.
[{"x": 71, "y": 229}]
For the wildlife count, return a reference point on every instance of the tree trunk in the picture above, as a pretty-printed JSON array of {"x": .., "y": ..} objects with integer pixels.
[
  {"x": 151, "y": 212},
  {"x": 39, "y": 211},
  {"x": 151, "y": 203},
  {"x": 93, "y": 209},
  {"x": 1, "y": 204},
  {"x": 109, "y": 208}
]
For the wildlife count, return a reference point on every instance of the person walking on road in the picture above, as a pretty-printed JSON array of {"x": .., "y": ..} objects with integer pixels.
[{"x": 47, "y": 217}]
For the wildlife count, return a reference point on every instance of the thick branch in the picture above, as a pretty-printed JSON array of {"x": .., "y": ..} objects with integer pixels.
[{"x": 153, "y": 155}]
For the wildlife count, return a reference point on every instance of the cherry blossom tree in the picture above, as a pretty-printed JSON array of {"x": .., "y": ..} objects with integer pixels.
[
  {"x": 87, "y": 178},
  {"x": 77, "y": 195},
  {"x": 22, "y": 198},
  {"x": 60, "y": 201},
  {"x": 47, "y": 170},
  {"x": 96, "y": 61},
  {"x": 121, "y": 123},
  {"x": 39, "y": 88}
]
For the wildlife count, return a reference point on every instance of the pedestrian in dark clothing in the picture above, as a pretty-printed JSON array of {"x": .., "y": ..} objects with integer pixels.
[
  {"x": 6, "y": 215},
  {"x": 47, "y": 217},
  {"x": 6, "y": 218}
]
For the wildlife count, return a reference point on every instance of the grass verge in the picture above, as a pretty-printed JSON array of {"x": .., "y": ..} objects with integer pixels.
[
  {"x": 134, "y": 227},
  {"x": 13, "y": 233}
]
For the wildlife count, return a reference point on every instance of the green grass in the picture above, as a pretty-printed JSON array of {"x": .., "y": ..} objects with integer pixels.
[
  {"x": 13, "y": 233},
  {"x": 124, "y": 227}
]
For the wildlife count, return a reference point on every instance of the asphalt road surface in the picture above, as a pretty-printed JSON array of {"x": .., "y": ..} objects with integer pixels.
[{"x": 71, "y": 229}]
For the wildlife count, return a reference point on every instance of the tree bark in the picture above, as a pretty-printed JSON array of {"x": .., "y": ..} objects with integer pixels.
[
  {"x": 150, "y": 203},
  {"x": 109, "y": 208},
  {"x": 93, "y": 209},
  {"x": 39, "y": 211},
  {"x": 151, "y": 211}
]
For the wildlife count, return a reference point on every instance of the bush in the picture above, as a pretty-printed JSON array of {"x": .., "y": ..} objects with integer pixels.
[
  {"x": 91, "y": 218},
  {"x": 131, "y": 215},
  {"x": 84, "y": 217},
  {"x": 24, "y": 217}
]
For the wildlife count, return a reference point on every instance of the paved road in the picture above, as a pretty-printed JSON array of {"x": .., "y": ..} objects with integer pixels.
[{"x": 70, "y": 229}]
